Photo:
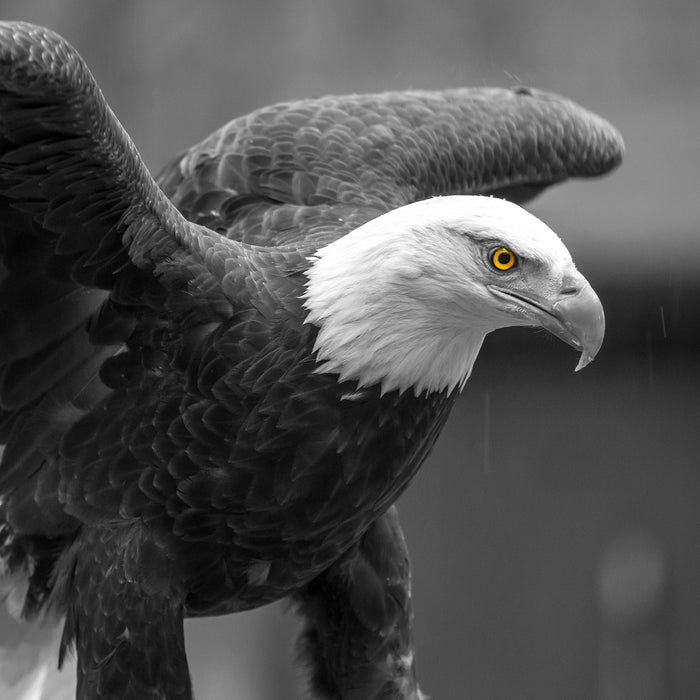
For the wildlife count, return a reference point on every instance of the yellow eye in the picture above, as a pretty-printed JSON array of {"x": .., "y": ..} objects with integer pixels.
[{"x": 503, "y": 259}]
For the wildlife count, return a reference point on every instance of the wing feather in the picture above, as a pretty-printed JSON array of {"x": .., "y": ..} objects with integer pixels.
[
  {"x": 93, "y": 254},
  {"x": 371, "y": 153}
]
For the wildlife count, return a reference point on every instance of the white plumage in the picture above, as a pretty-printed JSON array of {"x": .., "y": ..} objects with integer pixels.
[{"x": 404, "y": 300}]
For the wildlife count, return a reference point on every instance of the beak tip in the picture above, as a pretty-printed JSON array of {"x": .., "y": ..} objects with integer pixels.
[
  {"x": 585, "y": 360},
  {"x": 584, "y": 318}
]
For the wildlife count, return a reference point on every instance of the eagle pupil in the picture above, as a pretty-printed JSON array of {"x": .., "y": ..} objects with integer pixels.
[{"x": 504, "y": 258}]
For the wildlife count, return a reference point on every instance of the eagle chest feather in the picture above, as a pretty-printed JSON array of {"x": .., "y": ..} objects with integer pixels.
[{"x": 301, "y": 466}]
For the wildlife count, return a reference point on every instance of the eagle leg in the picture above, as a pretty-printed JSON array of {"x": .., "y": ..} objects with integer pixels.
[
  {"x": 124, "y": 614},
  {"x": 358, "y": 639}
]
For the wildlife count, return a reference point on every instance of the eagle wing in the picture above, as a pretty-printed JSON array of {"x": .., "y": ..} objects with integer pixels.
[
  {"x": 314, "y": 169},
  {"x": 94, "y": 258}
]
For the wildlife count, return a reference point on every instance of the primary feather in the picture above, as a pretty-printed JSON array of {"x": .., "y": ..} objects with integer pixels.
[{"x": 212, "y": 393}]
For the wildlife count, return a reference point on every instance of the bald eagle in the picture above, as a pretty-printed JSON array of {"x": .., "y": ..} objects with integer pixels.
[{"x": 212, "y": 391}]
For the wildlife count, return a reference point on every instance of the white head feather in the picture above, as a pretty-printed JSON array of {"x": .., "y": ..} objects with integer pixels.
[{"x": 402, "y": 300}]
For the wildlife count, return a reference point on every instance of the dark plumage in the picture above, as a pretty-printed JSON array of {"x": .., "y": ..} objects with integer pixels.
[{"x": 171, "y": 448}]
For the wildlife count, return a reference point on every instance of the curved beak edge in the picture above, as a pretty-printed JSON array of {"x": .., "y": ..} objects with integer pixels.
[
  {"x": 576, "y": 317},
  {"x": 578, "y": 320}
]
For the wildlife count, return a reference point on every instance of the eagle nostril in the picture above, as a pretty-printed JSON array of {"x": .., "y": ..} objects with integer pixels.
[
  {"x": 571, "y": 290},
  {"x": 571, "y": 284}
]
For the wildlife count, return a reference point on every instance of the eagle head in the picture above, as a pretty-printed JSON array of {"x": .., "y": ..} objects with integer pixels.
[{"x": 406, "y": 299}]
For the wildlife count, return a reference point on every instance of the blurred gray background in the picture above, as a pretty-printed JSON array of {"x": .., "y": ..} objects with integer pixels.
[{"x": 554, "y": 529}]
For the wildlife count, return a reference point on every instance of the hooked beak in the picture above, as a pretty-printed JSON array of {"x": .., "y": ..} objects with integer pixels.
[{"x": 573, "y": 313}]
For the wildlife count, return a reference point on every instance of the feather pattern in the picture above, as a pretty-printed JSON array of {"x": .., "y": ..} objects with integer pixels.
[{"x": 171, "y": 448}]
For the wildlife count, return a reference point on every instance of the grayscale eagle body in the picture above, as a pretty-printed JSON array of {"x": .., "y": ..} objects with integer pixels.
[{"x": 213, "y": 388}]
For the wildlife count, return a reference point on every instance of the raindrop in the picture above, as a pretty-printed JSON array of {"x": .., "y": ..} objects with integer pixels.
[
  {"x": 650, "y": 359},
  {"x": 487, "y": 432}
]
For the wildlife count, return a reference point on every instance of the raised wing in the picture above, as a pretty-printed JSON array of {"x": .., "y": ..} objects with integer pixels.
[
  {"x": 302, "y": 169},
  {"x": 94, "y": 257}
]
